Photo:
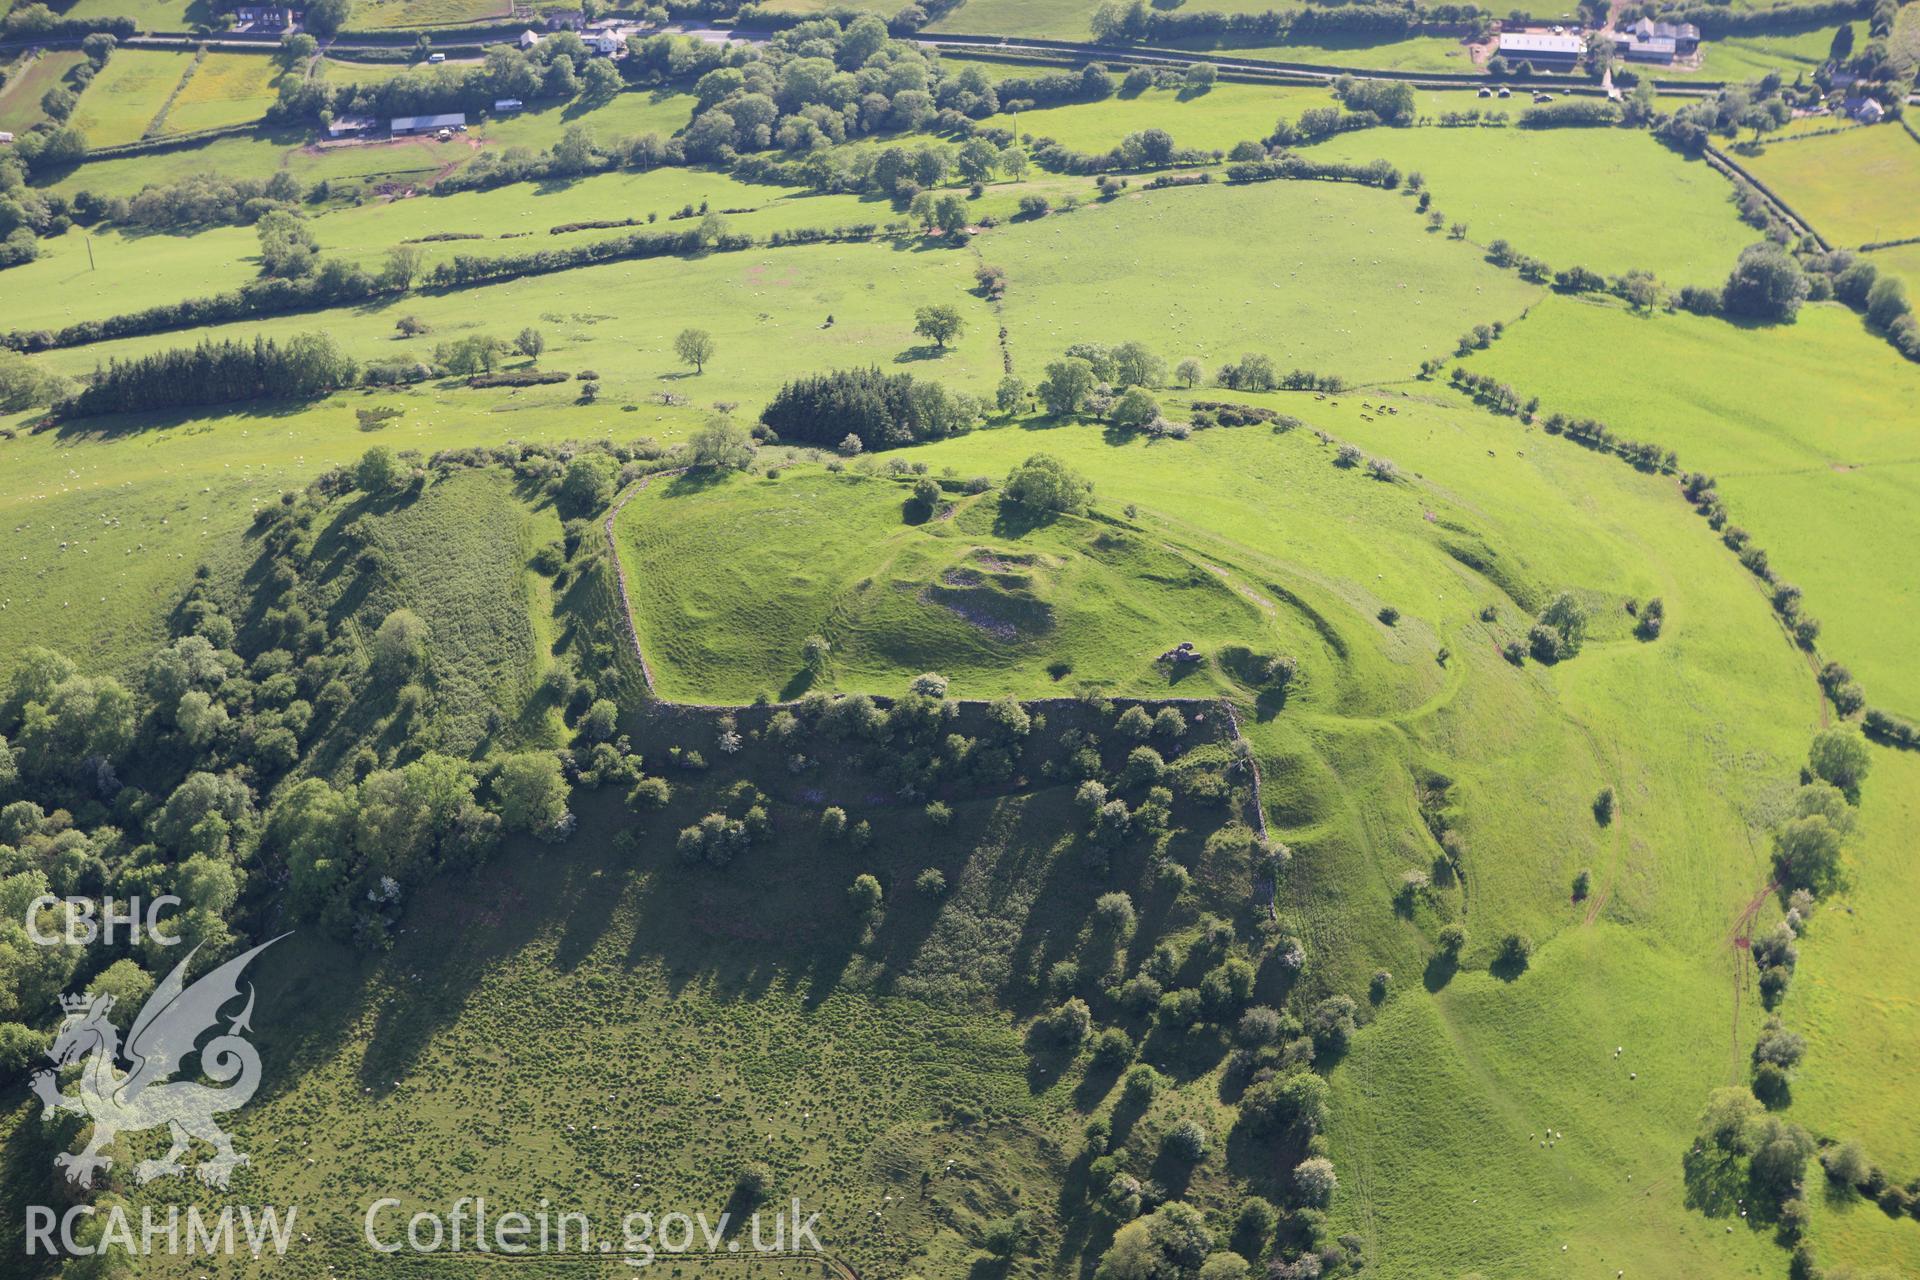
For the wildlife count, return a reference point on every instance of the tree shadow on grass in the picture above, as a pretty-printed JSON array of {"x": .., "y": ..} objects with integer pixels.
[
  {"x": 1269, "y": 703},
  {"x": 1439, "y": 971},
  {"x": 1838, "y": 1196},
  {"x": 1096, "y": 1083},
  {"x": 1508, "y": 968},
  {"x": 1172, "y": 1172},
  {"x": 988, "y": 1267},
  {"x": 1716, "y": 1181},
  {"x": 692, "y": 483},
  {"x": 1185, "y": 1055},
  {"x": 1047, "y": 1058},
  {"x": 110, "y": 426},
  {"x": 925, "y": 351},
  {"x": 1012, "y": 520}
]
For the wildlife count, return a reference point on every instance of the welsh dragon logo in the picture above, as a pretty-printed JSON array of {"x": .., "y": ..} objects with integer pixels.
[{"x": 119, "y": 1101}]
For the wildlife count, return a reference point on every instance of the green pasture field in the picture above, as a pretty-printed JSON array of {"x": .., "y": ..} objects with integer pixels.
[
  {"x": 1329, "y": 276},
  {"x": 1226, "y": 114},
  {"x": 768, "y": 308},
  {"x": 1903, "y": 261},
  {"x": 125, "y": 274},
  {"x": 723, "y": 608},
  {"x": 150, "y": 15},
  {"x": 226, "y": 89},
  {"x": 255, "y": 155},
  {"x": 1735, "y": 59},
  {"x": 403, "y": 160},
  {"x": 1854, "y": 187},
  {"x": 1854, "y": 992},
  {"x": 377, "y": 15},
  {"x": 1415, "y": 53},
  {"x": 1299, "y": 318},
  {"x": 1855, "y": 998},
  {"x": 1795, "y": 423},
  {"x": 1056, "y": 19},
  {"x": 1853, "y": 1233},
  {"x": 20, "y": 98},
  {"x": 129, "y": 91},
  {"x": 1804, "y": 125},
  {"x": 1447, "y": 1098},
  {"x": 512, "y": 219},
  {"x": 626, "y": 115},
  {"x": 1611, "y": 200},
  {"x": 338, "y": 68}
]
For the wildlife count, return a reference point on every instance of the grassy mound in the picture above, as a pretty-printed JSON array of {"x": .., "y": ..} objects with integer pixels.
[{"x": 724, "y": 608}]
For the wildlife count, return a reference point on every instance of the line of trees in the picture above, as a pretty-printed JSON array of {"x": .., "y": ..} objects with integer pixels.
[
  {"x": 308, "y": 364},
  {"x": 1136, "y": 23},
  {"x": 709, "y": 236},
  {"x": 1571, "y": 113},
  {"x": 38, "y": 21},
  {"x": 198, "y": 200},
  {"x": 1142, "y": 149},
  {"x": 336, "y": 283},
  {"x": 1294, "y": 166},
  {"x": 1719, "y": 21}
]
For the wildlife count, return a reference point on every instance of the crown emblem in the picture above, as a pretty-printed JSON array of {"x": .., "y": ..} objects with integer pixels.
[{"x": 76, "y": 1003}]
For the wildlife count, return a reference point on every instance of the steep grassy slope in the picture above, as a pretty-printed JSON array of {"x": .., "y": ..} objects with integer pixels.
[
  {"x": 1458, "y": 1071},
  {"x": 1449, "y": 1098},
  {"x": 107, "y": 524},
  {"x": 459, "y": 558}
]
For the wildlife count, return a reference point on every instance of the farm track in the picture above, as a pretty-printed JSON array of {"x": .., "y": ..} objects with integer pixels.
[{"x": 1739, "y": 944}]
